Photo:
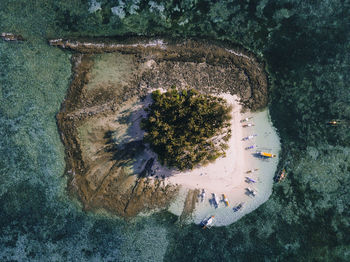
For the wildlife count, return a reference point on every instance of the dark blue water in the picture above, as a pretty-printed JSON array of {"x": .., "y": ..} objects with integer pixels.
[{"x": 305, "y": 45}]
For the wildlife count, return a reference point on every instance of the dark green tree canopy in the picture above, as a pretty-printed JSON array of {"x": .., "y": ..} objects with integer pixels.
[{"x": 187, "y": 128}]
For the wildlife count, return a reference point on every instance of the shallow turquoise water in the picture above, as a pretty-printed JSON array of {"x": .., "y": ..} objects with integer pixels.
[
  {"x": 305, "y": 46},
  {"x": 38, "y": 220}
]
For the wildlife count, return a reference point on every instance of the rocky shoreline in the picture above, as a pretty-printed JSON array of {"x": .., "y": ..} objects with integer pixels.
[
  {"x": 238, "y": 72},
  {"x": 96, "y": 163}
]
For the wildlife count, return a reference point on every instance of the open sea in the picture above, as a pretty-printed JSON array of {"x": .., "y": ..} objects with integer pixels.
[{"x": 305, "y": 46}]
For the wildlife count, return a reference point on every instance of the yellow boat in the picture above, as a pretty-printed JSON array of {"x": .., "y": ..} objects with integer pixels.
[
  {"x": 225, "y": 200},
  {"x": 266, "y": 155}
]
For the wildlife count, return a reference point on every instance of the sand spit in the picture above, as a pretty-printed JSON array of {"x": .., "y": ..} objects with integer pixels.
[{"x": 99, "y": 127}]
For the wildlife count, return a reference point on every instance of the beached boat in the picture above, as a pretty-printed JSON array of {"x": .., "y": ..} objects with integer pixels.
[
  {"x": 251, "y": 147},
  {"x": 249, "y": 137},
  {"x": 251, "y": 192},
  {"x": 246, "y": 119},
  {"x": 248, "y": 125},
  {"x": 252, "y": 170},
  {"x": 265, "y": 154},
  {"x": 225, "y": 200},
  {"x": 207, "y": 223},
  {"x": 203, "y": 195},
  {"x": 238, "y": 207},
  {"x": 215, "y": 200},
  {"x": 249, "y": 180}
]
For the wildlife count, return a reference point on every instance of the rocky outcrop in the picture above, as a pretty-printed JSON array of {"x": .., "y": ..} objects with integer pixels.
[
  {"x": 205, "y": 65},
  {"x": 97, "y": 177}
]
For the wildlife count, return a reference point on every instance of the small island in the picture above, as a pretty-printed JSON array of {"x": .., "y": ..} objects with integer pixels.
[{"x": 153, "y": 125}]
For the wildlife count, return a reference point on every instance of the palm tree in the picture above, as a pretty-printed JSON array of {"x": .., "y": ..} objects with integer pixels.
[{"x": 181, "y": 125}]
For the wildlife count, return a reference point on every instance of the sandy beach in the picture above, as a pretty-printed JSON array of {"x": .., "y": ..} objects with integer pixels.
[{"x": 228, "y": 175}]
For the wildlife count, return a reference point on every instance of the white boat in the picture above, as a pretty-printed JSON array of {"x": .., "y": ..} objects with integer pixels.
[
  {"x": 208, "y": 223},
  {"x": 248, "y": 125},
  {"x": 11, "y": 37},
  {"x": 251, "y": 191},
  {"x": 246, "y": 119}
]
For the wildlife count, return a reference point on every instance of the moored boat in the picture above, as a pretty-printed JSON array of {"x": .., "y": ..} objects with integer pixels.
[
  {"x": 334, "y": 122},
  {"x": 281, "y": 176},
  {"x": 265, "y": 154},
  {"x": 207, "y": 223},
  {"x": 11, "y": 37},
  {"x": 238, "y": 207}
]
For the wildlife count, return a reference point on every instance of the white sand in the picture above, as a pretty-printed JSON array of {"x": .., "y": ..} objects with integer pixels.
[{"x": 226, "y": 175}]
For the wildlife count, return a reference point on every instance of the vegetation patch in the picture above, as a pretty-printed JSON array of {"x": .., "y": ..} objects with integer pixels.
[{"x": 186, "y": 128}]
